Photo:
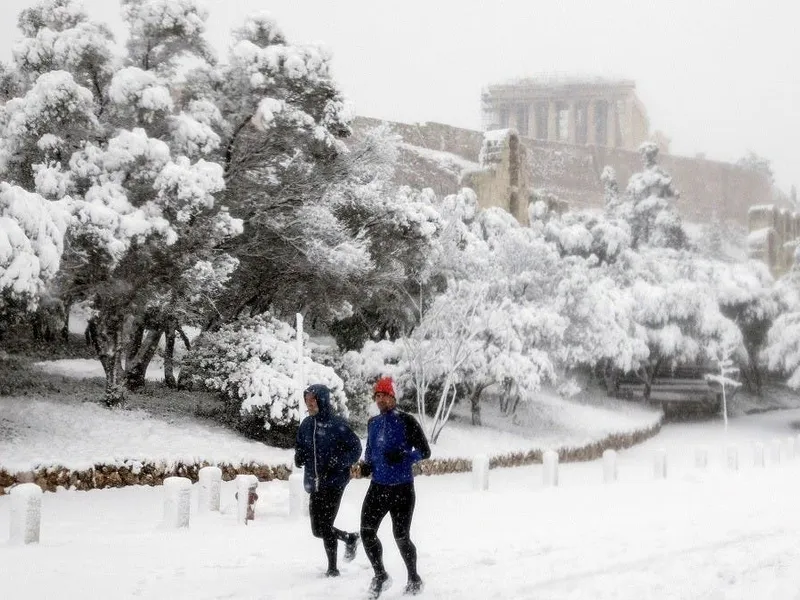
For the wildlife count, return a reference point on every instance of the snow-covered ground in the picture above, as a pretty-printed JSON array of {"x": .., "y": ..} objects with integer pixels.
[{"x": 710, "y": 533}]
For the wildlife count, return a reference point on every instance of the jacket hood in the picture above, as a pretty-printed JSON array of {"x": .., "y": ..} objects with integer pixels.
[{"x": 323, "y": 395}]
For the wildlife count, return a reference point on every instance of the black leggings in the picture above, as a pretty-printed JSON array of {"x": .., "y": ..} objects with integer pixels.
[
  {"x": 398, "y": 501},
  {"x": 323, "y": 507}
]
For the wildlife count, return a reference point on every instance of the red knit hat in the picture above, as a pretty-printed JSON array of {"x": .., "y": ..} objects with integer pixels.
[{"x": 384, "y": 385}]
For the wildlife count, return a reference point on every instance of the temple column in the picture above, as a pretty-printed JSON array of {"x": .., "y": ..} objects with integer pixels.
[
  {"x": 552, "y": 117},
  {"x": 513, "y": 122},
  {"x": 613, "y": 142},
  {"x": 573, "y": 122},
  {"x": 532, "y": 121},
  {"x": 628, "y": 132},
  {"x": 591, "y": 129}
]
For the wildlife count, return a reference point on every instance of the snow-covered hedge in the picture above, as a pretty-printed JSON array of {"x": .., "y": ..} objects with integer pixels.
[
  {"x": 252, "y": 363},
  {"x": 137, "y": 473}
]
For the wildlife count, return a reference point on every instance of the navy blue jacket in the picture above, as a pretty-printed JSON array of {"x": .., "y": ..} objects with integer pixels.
[
  {"x": 395, "y": 441},
  {"x": 326, "y": 446}
]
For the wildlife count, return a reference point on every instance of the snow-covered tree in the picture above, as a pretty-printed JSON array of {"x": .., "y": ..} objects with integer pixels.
[
  {"x": 601, "y": 333},
  {"x": 648, "y": 206},
  {"x": 31, "y": 244},
  {"x": 746, "y": 295},
  {"x": 145, "y": 227},
  {"x": 782, "y": 346},
  {"x": 678, "y": 317}
]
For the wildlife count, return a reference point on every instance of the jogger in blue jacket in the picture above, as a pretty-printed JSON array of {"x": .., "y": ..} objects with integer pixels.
[
  {"x": 326, "y": 447},
  {"x": 395, "y": 441}
]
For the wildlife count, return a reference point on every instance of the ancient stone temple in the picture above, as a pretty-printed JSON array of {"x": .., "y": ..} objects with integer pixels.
[{"x": 594, "y": 111}]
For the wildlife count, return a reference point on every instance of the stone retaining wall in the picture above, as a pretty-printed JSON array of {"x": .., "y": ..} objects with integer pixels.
[{"x": 138, "y": 473}]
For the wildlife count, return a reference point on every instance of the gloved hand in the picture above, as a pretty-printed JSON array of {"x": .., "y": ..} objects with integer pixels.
[
  {"x": 363, "y": 469},
  {"x": 394, "y": 456}
]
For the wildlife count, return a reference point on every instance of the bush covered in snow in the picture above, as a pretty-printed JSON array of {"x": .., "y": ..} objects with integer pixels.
[{"x": 252, "y": 364}]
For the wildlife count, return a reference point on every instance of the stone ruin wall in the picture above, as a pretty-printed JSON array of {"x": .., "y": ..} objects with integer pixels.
[
  {"x": 774, "y": 236},
  {"x": 708, "y": 189}
]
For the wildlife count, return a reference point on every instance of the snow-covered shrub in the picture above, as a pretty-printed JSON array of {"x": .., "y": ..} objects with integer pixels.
[
  {"x": 252, "y": 364},
  {"x": 360, "y": 370}
]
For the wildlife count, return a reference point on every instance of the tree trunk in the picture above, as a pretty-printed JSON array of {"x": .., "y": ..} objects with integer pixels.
[
  {"x": 505, "y": 397},
  {"x": 611, "y": 378},
  {"x": 755, "y": 374},
  {"x": 106, "y": 335},
  {"x": 475, "y": 404},
  {"x": 65, "y": 326},
  {"x": 169, "y": 354},
  {"x": 137, "y": 367},
  {"x": 134, "y": 344}
]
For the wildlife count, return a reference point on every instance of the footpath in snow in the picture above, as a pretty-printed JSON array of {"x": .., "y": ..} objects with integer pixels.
[{"x": 706, "y": 533}]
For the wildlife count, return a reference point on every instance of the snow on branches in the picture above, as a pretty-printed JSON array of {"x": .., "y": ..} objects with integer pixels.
[
  {"x": 252, "y": 364},
  {"x": 31, "y": 243}
]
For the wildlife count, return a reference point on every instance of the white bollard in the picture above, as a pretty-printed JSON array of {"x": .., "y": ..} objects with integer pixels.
[
  {"x": 775, "y": 452},
  {"x": 732, "y": 454},
  {"x": 480, "y": 472},
  {"x": 177, "y": 501},
  {"x": 26, "y": 513},
  {"x": 758, "y": 454},
  {"x": 789, "y": 448},
  {"x": 550, "y": 468},
  {"x": 298, "y": 498},
  {"x": 660, "y": 464},
  {"x": 609, "y": 466},
  {"x": 208, "y": 493},
  {"x": 246, "y": 496},
  {"x": 701, "y": 458}
]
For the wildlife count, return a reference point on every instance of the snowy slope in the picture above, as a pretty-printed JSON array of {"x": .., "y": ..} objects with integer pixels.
[{"x": 77, "y": 434}]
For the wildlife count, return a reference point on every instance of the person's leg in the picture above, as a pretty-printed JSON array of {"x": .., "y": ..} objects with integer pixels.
[
  {"x": 323, "y": 506},
  {"x": 402, "y": 511},
  {"x": 373, "y": 510},
  {"x": 350, "y": 539}
]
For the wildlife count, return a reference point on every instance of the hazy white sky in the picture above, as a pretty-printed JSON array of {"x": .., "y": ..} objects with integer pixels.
[{"x": 717, "y": 76}]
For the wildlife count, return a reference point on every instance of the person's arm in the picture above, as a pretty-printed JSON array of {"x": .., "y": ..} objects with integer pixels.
[
  {"x": 348, "y": 447},
  {"x": 420, "y": 449},
  {"x": 365, "y": 469},
  {"x": 352, "y": 447},
  {"x": 300, "y": 455}
]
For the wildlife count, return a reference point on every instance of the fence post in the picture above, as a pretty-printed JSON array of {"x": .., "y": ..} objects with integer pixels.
[
  {"x": 26, "y": 513},
  {"x": 298, "y": 498},
  {"x": 480, "y": 472},
  {"x": 758, "y": 454},
  {"x": 246, "y": 496},
  {"x": 177, "y": 501},
  {"x": 208, "y": 494},
  {"x": 775, "y": 452},
  {"x": 701, "y": 458},
  {"x": 733, "y": 458},
  {"x": 550, "y": 468},
  {"x": 660, "y": 464},
  {"x": 609, "y": 466},
  {"x": 789, "y": 448}
]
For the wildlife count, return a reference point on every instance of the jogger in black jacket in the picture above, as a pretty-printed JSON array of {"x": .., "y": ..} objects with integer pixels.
[{"x": 326, "y": 447}]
